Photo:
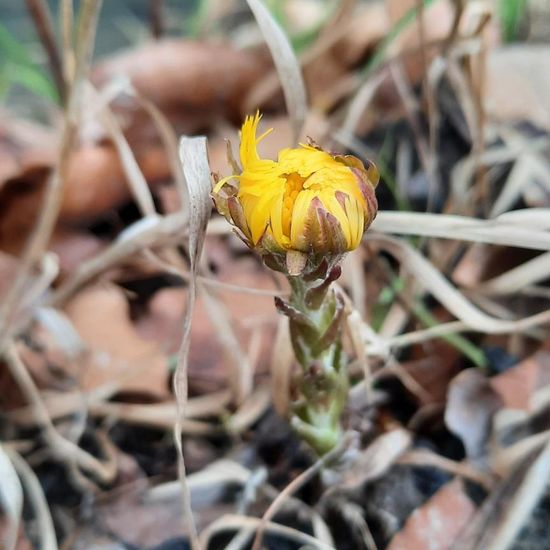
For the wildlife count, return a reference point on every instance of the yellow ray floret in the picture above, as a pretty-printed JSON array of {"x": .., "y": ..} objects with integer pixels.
[{"x": 285, "y": 198}]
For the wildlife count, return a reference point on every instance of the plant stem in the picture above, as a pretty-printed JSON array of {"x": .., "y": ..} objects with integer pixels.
[{"x": 315, "y": 317}]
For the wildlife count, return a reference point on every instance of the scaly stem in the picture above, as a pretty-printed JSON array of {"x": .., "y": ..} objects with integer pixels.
[{"x": 315, "y": 318}]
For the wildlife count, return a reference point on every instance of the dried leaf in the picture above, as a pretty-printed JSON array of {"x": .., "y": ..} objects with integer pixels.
[
  {"x": 471, "y": 405},
  {"x": 100, "y": 314},
  {"x": 194, "y": 158},
  {"x": 517, "y": 385},
  {"x": 190, "y": 80},
  {"x": 378, "y": 457},
  {"x": 437, "y": 522}
]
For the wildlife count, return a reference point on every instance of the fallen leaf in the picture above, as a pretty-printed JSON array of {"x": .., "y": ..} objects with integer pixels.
[
  {"x": 187, "y": 77},
  {"x": 95, "y": 184},
  {"x": 250, "y": 313},
  {"x": 471, "y": 405},
  {"x": 436, "y": 524},
  {"x": 517, "y": 385},
  {"x": 377, "y": 458},
  {"x": 117, "y": 353}
]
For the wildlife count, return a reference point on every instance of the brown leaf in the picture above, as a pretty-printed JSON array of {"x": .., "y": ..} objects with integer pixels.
[
  {"x": 517, "y": 385},
  {"x": 187, "y": 77},
  {"x": 437, "y": 522},
  {"x": 96, "y": 181},
  {"x": 249, "y": 313},
  {"x": 117, "y": 353},
  {"x": 95, "y": 184}
]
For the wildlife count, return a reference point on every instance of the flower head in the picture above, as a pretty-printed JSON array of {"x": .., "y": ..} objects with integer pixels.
[{"x": 307, "y": 200}]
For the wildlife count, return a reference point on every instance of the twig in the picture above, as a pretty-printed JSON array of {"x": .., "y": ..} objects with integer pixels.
[{"x": 41, "y": 16}]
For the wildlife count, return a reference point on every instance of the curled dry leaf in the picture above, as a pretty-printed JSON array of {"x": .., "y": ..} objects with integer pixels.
[
  {"x": 471, "y": 405},
  {"x": 116, "y": 351},
  {"x": 378, "y": 457},
  {"x": 437, "y": 522}
]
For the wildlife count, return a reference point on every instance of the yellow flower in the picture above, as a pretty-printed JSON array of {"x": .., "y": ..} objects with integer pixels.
[{"x": 308, "y": 200}]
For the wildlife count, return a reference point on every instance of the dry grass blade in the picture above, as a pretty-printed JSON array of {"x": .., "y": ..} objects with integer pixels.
[
  {"x": 528, "y": 273},
  {"x": 286, "y": 63},
  {"x": 132, "y": 171},
  {"x": 218, "y": 475},
  {"x": 528, "y": 169},
  {"x": 194, "y": 158},
  {"x": 62, "y": 448},
  {"x": 35, "y": 494},
  {"x": 250, "y": 411},
  {"x": 523, "y": 228},
  {"x": 504, "y": 513},
  {"x": 66, "y": 25},
  {"x": 40, "y": 237},
  {"x": 11, "y": 499},
  {"x": 424, "y": 457},
  {"x": 360, "y": 102},
  {"x": 232, "y": 522},
  {"x": 434, "y": 282},
  {"x": 40, "y": 13},
  {"x": 168, "y": 136}
]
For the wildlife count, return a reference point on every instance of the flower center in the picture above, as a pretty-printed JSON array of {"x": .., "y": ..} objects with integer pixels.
[{"x": 294, "y": 184}]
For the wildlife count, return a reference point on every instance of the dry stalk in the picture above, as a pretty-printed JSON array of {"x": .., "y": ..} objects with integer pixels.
[
  {"x": 65, "y": 450},
  {"x": 42, "y": 232},
  {"x": 423, "y": 457},
  {"x": 41, "y": 16}
]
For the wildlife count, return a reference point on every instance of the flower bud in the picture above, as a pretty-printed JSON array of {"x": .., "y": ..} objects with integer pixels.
[{"x": 307, "y": 200}]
